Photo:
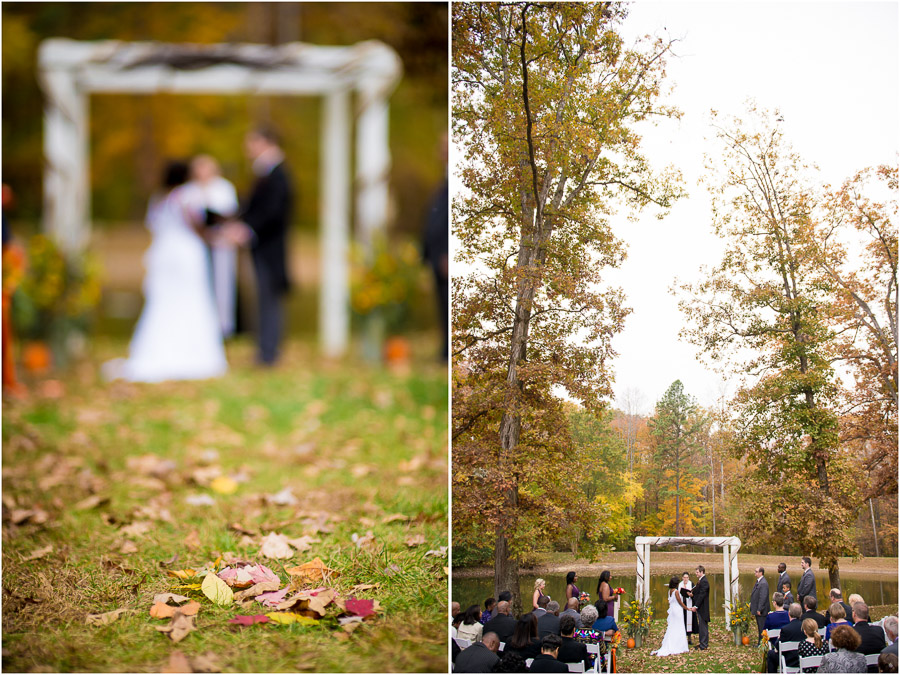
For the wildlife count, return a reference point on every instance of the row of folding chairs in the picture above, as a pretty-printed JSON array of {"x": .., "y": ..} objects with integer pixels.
[
  {"x": 808, "y": 661},
  {"x": 462, "y": 643}
]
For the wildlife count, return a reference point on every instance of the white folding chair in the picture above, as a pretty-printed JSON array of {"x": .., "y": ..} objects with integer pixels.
[
  {"x": 528, "y": 663},
  {"x": 462, "y": 643},
  {"x": 872, "y": 659},
  {"x": 595, "y": 651},
  {"x": 783, "y": 648},
  {"x": 576, "y": 667},
  {"x": 502, "y": 646},
  {"x": 810, "y": 661},
  {"x": 774, "y": 633},
  {"x": 822, "y": 631}
]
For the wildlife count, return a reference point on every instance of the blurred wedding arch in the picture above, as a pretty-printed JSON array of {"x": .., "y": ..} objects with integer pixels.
[{"x": 362, "y": 76}]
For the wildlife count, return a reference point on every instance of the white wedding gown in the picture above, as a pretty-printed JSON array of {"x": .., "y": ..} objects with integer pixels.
[
  {"x": 675, "y": 639},
  {"x": 177, "y": 336}
]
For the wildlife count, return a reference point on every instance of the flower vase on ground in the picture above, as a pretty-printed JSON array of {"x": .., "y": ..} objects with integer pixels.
[
  {"x": 638, "y": 638},
  {"x": 737, "y": 637}
]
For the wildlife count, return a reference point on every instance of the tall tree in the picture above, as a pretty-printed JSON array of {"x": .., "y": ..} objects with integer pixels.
[
  {"x": 676, "y": 425},
  {"x": 546, "y": 96},
  {"x": 765, "y": 307}
]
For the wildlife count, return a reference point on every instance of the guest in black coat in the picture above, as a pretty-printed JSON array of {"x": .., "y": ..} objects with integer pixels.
[
  {"x": 525, "y": 638},
  {"x": 502, "y": 624},
  {"x": 549, "y": 622},
  {"x": 837, "y": 596},
  {"x": 791, "y": 632},
  {"x": 546, "y": 661},
  {"x": 480, "y": 657},
  {"x": 872, "y": 636},
  {"x": 264, "y": 225},
  {"x": 571, "y": 651},
  {"x": 810, "y": 604}
]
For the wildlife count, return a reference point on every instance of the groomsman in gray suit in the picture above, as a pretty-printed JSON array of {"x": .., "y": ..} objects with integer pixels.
[
  {"x": 759, "y": 601},
  {"x": 807, "y": 585}
]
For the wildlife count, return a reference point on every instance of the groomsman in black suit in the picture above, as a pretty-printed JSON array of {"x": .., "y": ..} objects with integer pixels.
[
  {"x": 700, "y": 594},
  {"x": 783, "y": 578},
  {"x": 759, "y": 601},
  {"x": 264, "y": 227}
]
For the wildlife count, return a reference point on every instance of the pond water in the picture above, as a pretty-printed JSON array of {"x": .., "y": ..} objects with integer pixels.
[{"x": 474, "y": 591}]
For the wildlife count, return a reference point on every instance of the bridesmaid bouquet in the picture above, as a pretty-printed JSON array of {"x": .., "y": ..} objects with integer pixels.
[
  {"x": 620, "y": 591},
  {"x": 583, "y": 599}
]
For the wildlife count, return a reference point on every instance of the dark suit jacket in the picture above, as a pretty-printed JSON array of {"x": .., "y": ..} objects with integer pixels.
[
  {"x": 872, "y": 638},
  {"x": 544, "y": 663},
  {"x": 530, "y": 651},
  {"x": 793, "y": 632},
  {"x": 784, "y": 576},
  {"x": 503, "y": 625},
  {"x": 807, "y": 586},
  {"x": 759, "y": 598},
  {"x": 549, "y": 623},
  {"x": 815, "y": 616},
  {"x": 701, "y": 598},
  {"x": 435, "y": 240},
  {"x": 476, "y": 659},
  {"x": 847, "y": 609},
  {"x": 573, "y": 651},
  {"x": 267, "y": 213}
]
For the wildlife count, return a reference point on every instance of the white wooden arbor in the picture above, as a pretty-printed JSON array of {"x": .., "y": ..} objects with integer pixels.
[
  {"x": 70, "y": 71},
  {"x": 729, "y": 545}
]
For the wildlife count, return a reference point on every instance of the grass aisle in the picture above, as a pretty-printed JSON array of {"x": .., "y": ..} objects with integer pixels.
[{"x": 103, "y": 485}]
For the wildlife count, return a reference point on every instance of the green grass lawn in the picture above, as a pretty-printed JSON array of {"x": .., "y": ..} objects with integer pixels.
[{"x": 363, "y": 449}]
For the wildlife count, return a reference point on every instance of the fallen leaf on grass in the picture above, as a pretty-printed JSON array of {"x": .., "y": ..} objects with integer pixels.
[
  {"x": 33, "y": 516},
  {"x": 188, "y": 587},
  {"x": 91, "y": 502},
  {"x": 440, "y": 553},
  {"x": 303, "y": 543},
  {"x": 273, "y": 599},
  {"x": 283, "y": 498},
  {"x": 275, "y": 545},
  {"x": 224, "y": 485},
  {"x": 39, "y": 553},
  {"x": 192, "y": 541},
  {"x": 312, "y": 571},
  {"x": 170, "y": 597},
  {"x": 161, "y": 610},
  {"x": 217, "y": 590},
  {"x": 350, "y": 623},
  {"x": 240, "y": 529},
  {"x": 257, "y": 589},
  {"x": 200, "y": 500},
  {"x": 365, "y": 542},
  {"x": 246, "y": 620},
  {"x": 291, "y": 617},
  {"x": 105, "y": 618},
  {"x": 361, "y": 608},
  {"x": 359, "y": 588},
  {"x": 394, "y": 518},
  {"x": 137, "y": 529},
  {"x": 128, "y": 547},
  {"x": 241, "y": 574},
  {"x": 179, "y": 627},
  {"x": 415, "y": 540},
  {"x": 181, "y": 574},
  {"x": 310, "y": 601},
  {"x": 206, "y": 663},
  {"x": 391, "y": 570},
  {"x": 178, "y": 663},
  {"x": 170, "y": 561}
]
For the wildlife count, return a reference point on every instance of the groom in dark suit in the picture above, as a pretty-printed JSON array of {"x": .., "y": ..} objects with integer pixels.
[
  {"x": 700, "y": 595},
  {"x": 264, "y": 227}
]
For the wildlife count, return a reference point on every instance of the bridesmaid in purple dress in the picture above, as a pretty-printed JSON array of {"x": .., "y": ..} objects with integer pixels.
[{"x": 571, "y": 589}]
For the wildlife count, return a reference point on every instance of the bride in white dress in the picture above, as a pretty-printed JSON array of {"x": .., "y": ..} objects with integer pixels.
[
  {"x": 675, "y": 639},
  {"x": 178, "y": 336}
]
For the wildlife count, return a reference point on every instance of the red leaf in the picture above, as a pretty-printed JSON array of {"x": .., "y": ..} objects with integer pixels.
[
  {"x": 360, "y": 607},
  {"x": 249, "y": 620}
]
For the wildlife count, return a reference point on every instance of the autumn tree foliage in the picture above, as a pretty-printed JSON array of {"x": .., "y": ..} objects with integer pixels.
[
  {"x": 546, "y": 98},
  {"x": 765, "y": 309}
]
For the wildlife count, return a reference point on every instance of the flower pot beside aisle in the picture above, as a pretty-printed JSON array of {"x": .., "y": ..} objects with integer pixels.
[{"x": 737, "y": 637}]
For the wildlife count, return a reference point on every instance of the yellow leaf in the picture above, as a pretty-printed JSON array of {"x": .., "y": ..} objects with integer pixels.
[
  {"x": 224, "y": 485},
  {"x": 291, "y": 617},
  {"x": 217, "y": 590},
  {"x": 181, "y": 574},
  {"x": 188, "y": 587}
]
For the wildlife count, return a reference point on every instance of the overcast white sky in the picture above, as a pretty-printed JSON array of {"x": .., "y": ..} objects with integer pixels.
[{"x": 831, "y": 68}]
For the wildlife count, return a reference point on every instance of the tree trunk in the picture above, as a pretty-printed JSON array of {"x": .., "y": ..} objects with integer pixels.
[
  {"x": 834, "y": 574},
  {"x": 874, "y": 530},
  {"x": 506, "y": 573}
]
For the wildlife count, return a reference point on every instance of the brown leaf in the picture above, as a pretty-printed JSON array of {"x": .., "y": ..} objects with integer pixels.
[
  {"x": 256, "y": 589},
  {"x": 415, "y": 540},
  {"x": 170, "y": 561},
  {"x": 359, "y": 588},
  {"x": 206, "y": 663},
  {"x": 394, "y": 518},
  {"x": 35, "y": 516},
  {"x": 170, "y": 597},
  {"x": 105, "y": 618},
  {"x": 303, "y": 543},
  {"x": 39, "y": 553},
  {"x": 178, "y": 663},
  {"x": 91, "y": 502},
  {"x": 137, "y": 528},
  {"x": 240, "y": 529},
  {"x": 312, "y": 571},
  {"x": 179, "y": 627},
  {"x": 127, "y": 547},
  {"x": 192, "y": 541}
]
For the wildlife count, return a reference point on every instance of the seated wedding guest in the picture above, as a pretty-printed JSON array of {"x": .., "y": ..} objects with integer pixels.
[
  {"x": 454, "y": 610},
  {"x": 502, "y": 624},
  {"x": 571, "y": 651},
  {"x": 844, "y": 659},
  {"x": 488, "y": 612},
  {"x": 838, "y": 618},
  {"x": 809, "y": 605},
  {"x": 470, "y": 629},
  {"x": 525, "y": 638},
  {"x": 549, "y": 622},
  {"x": 872, "y": 637},
  {"x": 776, "y": 619},
  {"x": 813, "y": 645},
  {"x": 890, "y": 629},
  {"x": 887, "y": 663},
  {"x": 604, "y": 624},
  {"x": 790, "y": 632},
  {"x": 589, "y": 636},
  {"x": 572, "y": 610},
  {"x": 542, "y": 603},
  {"x": 511, "y": 662},
  {"x": 481, "y": 657},
  {"x": 546, "y": 661},
  {"x": 836, "y": 596},
  {"x": 505, "y": 596}
]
